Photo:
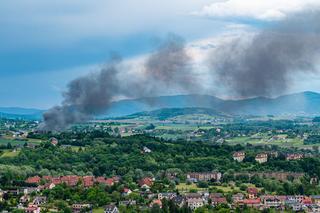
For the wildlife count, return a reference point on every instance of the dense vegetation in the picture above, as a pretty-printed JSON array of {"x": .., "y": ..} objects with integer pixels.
[{"x": 98, "y": 153}]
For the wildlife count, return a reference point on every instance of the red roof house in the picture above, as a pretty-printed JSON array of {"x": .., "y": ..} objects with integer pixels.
[
  {"x": 252, "y": 192},
  {"x": 88, "y": 181},
  {"x": 33, "y": 180},
  {"x": 145, "y": 182},
  {"x": 251, "y": 202},
  {"x": 70, "y": 180},
  {"x": 109, "y": 181}
]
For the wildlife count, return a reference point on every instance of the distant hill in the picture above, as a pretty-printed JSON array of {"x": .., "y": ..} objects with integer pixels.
[
  {"x": 20, "y": 113},
  {"x": 305, "y": 103},
  {"x": 128, "y": 107},
  {"x": 166, "y": 113}
]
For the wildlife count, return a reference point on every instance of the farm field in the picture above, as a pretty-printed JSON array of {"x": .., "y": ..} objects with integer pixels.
[
  {"x": 9, "y": 154},
  {"x": 12, "y": 141},
  {"x": 292, "y": 142}
]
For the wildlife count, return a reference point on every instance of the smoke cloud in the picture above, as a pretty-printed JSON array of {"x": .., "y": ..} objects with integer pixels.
[
  {"x": 168, "y": 67},
  {"x": 263, "y": 65}
]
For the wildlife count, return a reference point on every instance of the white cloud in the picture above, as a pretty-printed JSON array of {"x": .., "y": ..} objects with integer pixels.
[{"x": 267, "y": 10}]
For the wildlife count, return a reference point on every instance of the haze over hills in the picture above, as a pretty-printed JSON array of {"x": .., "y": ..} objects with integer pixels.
[
  {"x": 20, "y": 113},
  {"x": 305, "y": 103},
  {"x": 166, "y": 113}
]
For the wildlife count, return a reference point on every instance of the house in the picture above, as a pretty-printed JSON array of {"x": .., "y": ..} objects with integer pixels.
[
  {"x": 128, "y": 202},
  {"x": 70, "y": 180},
  {"x": 254, "y": 203},
  {"x": 32, "y": 209},
  {"x": 270, "y": 201},
  {"x": 239, "y": 156},
  {"x": 314, "y": 181},
  {"x": 167, "y": 195},
  {"x": 53, "y": 141},
  {"x": 146, "y": 150},
  {"x": 39, "y": 200},
  {"x": 103, "y": 180},
  {"x": 24, "y": 199},
  {"x": 315, "y": 199},
  {"x": 156, "y": 202},
  {"x": 252, "y": 192},
  {"x": 193, "y": 195},
  {"x": 282, "y": 199},
  {"x": 295, "y": 206},
  {"x": 194, "y": 203},
  {"x": 31, "y": 146},
  {"x": 49, "y": 186},
  {"x": 109, "y": 181},
  {"x": 218, "y": 200},
  {"x": 261, "y": 157},
  {"x": 88, "y": 181},
  {"x": 145, "y": 183},
  {"x": 313, "y": 208},
  {"x": 111, "y": 209},
  {"x": 77, "y": 208},
  {"x": 179, "y": 201},
  {"x": 116, "y": 179},
  {"x": 274, "y": 154},
  {"x": 307, "y": 201},
  {"x": 29, "y": 190},
  {"x": 13, "y": 192},
  {"x": 126, "y": 191},
  {"x": 46, "y": 186},
  {"x": 33, "y": 180},
  {"x": 294, "y": 156},
  {"x": 215, "y": 195},
  {"x": 207, "y": 176},
  {"x": 237, "y": 197},
  {"x": 295, "y": 198},
  {"x": 56, "y": 180},
  {"x": 100, "y": 180}
]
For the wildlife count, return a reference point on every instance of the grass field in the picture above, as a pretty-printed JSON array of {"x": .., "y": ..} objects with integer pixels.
[
  {"x": 186, "y": 187},
  {"x": 9, "y": 154},
  {"x": 291, "y": 142},
  {"x": 18, "y": 142},
  {"x": 13, "y": 142},
  {"x": 99, "y": 210},
  {"x": 227, "y": 189}
]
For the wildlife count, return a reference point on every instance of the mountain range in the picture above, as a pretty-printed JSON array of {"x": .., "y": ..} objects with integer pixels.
[{"x": 305, "y": 103}]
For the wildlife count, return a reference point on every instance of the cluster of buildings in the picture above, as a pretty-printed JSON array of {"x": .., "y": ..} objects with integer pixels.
[
  {"x": 251, "y": 198},
  {"x": 204, "y": 176},
  {"x": 263, "y": 157},
  {"x": 49, "y": 182}
]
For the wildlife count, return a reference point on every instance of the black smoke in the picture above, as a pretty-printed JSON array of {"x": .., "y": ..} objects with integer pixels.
[
  {"x": 263, "y": 65},
  {"x": 168, "y": 67}
]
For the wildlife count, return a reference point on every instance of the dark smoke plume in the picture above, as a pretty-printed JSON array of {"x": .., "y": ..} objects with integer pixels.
[
  {"x": 85, "y": 97},
  {"x": 90, "y": 95},
  {"x": 171, "y": 64},
  {"x": 263, "y": 65}
]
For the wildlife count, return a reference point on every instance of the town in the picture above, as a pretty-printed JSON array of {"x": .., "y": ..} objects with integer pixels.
[
  {"x": 152, "y": 178},
  {"x": 171, "y": 106}
]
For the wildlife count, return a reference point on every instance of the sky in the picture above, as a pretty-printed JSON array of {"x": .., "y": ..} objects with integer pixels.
[{"x": 45, "y": 44}]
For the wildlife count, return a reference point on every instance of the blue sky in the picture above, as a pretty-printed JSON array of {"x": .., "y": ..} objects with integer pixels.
[{"x": 45, "y": 44}]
